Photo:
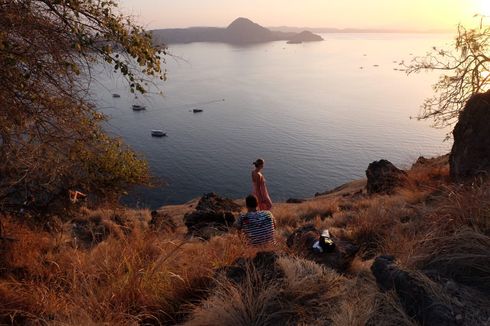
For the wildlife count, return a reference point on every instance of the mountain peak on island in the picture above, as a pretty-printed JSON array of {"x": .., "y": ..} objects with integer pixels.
[
  {"x": 242, "y": 22},
  {"x": 244, "y": 30},
  {"x": 241, "y": 31}
]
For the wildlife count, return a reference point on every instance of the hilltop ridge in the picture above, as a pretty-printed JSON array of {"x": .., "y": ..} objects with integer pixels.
[
  {"x": 418, "y": 254},
  {"x": 240, "y": 31}
]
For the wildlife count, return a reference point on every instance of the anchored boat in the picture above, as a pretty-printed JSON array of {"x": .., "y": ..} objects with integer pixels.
[
  {"x": 158, "y": 133},
  {"x": 137, "y": 107}
]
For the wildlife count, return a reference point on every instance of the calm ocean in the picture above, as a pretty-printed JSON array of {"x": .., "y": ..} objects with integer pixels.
[{"x": 318, "y": 114}]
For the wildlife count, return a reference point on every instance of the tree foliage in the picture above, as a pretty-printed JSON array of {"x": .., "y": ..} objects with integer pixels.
[
  {"x": 50, "y": 134},
  {"x": 466, "y": 73}
]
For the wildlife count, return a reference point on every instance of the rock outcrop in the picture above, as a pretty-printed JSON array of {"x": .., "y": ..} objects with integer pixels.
[
  {"x": 383, "y": 177},
  {"x": 470, "y": 155},
  {"x": 417, "y": 301},
  {"x": 213, "y": 215},
  {"x": 302, "y": 240}
]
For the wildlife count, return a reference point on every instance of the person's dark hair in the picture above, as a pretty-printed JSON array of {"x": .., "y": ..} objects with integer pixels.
[
  {"x": 251, "y": 201},
  {"x": 258, "y": 162}
]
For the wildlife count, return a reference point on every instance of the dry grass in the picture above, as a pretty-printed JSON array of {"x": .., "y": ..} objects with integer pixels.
[
  {"x": 367, "y": 306},
  {"x": 130, "y": 278},
  {"x": 463, "y": 256},
  {"x": 129, "y": 274},
  {"x": 307, "y": 295},
  {"x": 255, "y": 302},
  {"x": 372, "y": 228},
  {"x": 294, "y": 214}
]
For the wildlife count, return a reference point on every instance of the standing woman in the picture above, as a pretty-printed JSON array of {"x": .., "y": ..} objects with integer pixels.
[{"x": 259, "y": 186}]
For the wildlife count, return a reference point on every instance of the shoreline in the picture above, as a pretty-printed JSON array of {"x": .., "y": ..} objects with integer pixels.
[{"x": 347, "y": 189}]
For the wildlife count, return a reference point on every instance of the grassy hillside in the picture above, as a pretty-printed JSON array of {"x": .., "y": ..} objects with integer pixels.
[{"x": 109, "y": 266}]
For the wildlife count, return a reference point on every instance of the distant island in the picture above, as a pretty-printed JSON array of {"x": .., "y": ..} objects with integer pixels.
[
  {"x": 290, "y": 29},
  {"x": 240, "y": 31}
]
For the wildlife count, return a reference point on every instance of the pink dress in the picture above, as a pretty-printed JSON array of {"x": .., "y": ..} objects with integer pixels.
[{"x": 260, "y": 191}]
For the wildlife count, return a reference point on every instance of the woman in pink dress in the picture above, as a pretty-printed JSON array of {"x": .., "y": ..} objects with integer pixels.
[{"x": 259, "y": 186}]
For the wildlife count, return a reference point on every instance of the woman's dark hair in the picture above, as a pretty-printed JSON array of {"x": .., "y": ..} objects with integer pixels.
[
  {"x": 251, "y": 201},
  {"x": 258, "y": 162}
]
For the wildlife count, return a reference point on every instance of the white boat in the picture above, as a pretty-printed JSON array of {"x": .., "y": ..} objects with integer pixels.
[
  {"x": 158, "y": 133},
  {"x": 137, "y": 107}
]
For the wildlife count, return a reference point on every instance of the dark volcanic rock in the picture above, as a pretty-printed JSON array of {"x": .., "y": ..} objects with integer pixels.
[
  {"x": 416, "y": 300},
  {"x": 302, "y": 240},
  {"x": 295, "y": 201},
  {"x": 212, "y": 212},
  {"x": 384, "y": 177},
  {"x": 470, "y": 155}
]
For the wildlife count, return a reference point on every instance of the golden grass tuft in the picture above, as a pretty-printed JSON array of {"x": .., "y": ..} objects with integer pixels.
[
  {"x": 307, "y": 295},
  {"x": 463, "y": 256},
  {"x": 294, "y": 214}
]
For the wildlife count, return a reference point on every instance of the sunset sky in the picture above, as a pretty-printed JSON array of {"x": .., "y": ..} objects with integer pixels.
[{"x": 399, "y": 14}]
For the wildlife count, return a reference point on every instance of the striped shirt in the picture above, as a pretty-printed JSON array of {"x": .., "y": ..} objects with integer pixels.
[{"x": 258, "y": 227}]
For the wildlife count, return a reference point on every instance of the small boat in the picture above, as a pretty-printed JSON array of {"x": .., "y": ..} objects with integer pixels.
[
  {"x": 137, "y": 107},
  {"x": 197, "y": 110},
  {"x": 158, "y": 133},
  {"x": 116, "y": 95}
]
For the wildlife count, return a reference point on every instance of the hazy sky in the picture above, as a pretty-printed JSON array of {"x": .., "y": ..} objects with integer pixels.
[{"x": 399, "y": 14}]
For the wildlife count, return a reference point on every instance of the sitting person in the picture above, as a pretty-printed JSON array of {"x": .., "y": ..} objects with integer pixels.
[{"x": 258, "y": 226}]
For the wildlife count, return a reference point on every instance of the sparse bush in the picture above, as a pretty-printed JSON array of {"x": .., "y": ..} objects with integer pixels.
[{"x": 466, "y": 73}]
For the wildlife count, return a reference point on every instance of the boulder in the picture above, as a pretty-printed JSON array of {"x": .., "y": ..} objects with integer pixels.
[
  {"x": 470, "y": 154},
  {"x": 383, "y": 177},
  {"x": 417, "y": 301},
  {"x": 303, "y": 238},
  {"x": 212, "y": 212}
]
